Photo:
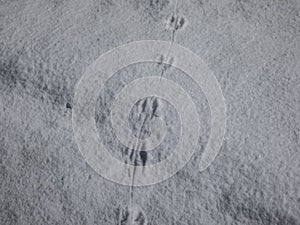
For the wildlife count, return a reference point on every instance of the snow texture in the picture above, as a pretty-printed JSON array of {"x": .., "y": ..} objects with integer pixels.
[{"x": 251, "y": 46}]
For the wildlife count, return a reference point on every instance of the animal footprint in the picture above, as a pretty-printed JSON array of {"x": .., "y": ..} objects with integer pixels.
[
  {"x": 132, "y": 215},
  {"x": 167, "y": 63},
  {"x": 175, "y": 22}
]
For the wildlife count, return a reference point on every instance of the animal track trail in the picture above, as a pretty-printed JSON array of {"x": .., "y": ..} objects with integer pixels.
[
  {"x": 133, "y": 215},
  {"x": 149, "y": 107}
]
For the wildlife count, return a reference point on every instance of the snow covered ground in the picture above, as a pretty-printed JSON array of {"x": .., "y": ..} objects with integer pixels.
[{"x": 251, "y": 46}]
